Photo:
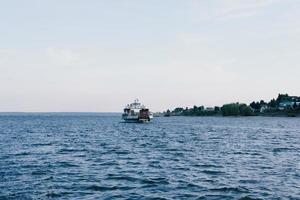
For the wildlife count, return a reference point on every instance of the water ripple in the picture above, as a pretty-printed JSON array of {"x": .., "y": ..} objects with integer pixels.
[{"x": 91, "y": 156}]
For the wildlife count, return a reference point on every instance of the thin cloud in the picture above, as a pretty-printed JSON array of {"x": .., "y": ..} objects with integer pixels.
[
  {"x": 230, "y": 9},
  {"x": 236, "y": 9}
]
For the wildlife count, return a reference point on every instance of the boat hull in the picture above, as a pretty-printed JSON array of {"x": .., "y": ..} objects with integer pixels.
[{"x": 136, "y": 120}]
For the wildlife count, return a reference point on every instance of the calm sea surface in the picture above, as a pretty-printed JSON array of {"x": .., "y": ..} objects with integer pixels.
[{"x": 95, "y": 156}]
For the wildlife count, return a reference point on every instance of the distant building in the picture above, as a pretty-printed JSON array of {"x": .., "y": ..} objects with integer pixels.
[
  {"x": 286, "y": 105},
  {"x": 263, "y": 108},
  {"x": 288, "y": 102},
  {"x": 209, "y": 109}
]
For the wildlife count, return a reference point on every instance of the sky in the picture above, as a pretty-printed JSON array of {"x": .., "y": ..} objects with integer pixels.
[{"x": 99, "y": 55}]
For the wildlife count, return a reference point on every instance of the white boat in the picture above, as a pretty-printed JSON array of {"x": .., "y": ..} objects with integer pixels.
[{"x": 136, "y": 112}]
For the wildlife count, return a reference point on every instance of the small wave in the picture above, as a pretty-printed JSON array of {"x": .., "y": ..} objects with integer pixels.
[
  {"x": 49, "y": 178},
  {"x": 156, "y": 166},
  {"x": 248, "y": 198},
  {"x": 215, "y": 197},
  {"x": 216, "y": 138},
  {"x": 3, "y": 197},
  {"x": 133, "y": 163},
  {"x": 29, "y": 166},
  {"x": 239, "y": 153},
  {"x": 230, "y": 189},
  {"x": 247, "y": 153},
  {"x": 195, "y": 186},
  {"x": 29, "y": 131},
  {"x": 119, "y": 178},
  {"x": 109, "y": 163},
  {"x": 56, "y": 195},
  {"x": 41, "y": 144},
  {"x": 117, "y": 196},
  {"x": 178, "y": 154},
  {"x": 22, "y": 154},
  {"x": 67, "y": 164},
  {"x": 208, "y": 166},
  {"x": 71, "y": 150},
  {"x": 122, "y": 152},
  {"x": 249, "y": 181},
  {"x": 162, "y": 181},
  {"x": 158, "y": 198},
  {"x": 107, "y": 188},
  {"x": 181, "y": 168},
  {"x": 146, "y": 182},
  {"x": 282, "y": 149},
  {"x": 171, "y": 150},
  {"x": 211, "y": 130},
  {"x": 186, "y": 196},
  {"x": 40, "y": 172},
  {"x": 211, "y": 172}
]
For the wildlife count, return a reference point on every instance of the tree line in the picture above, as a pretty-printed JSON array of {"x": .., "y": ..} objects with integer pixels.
[{"x": 241, "y": 109}]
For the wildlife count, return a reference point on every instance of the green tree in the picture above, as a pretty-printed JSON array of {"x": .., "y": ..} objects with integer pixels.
[
  {"x": 217, "y": 109},
  {"x": 295, "y": 106},
  {"x": 245, "y": 110},
  {"x": 178, "y": 110},
  {"x": 200, "y": 108},
  {"x": 262, "y": 102},
  {"x": 281, "y": 97},
  {"x": 230, "y": 109},
  {"x": 272, "y": 103},
  {"x": 255, "y": 105}
]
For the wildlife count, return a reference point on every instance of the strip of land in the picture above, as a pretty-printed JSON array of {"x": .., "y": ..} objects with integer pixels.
[{"x": 283, "y": 105}]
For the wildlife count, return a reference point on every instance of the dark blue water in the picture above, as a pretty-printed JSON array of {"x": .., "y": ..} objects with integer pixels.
[{"x": 90, "y": 156}]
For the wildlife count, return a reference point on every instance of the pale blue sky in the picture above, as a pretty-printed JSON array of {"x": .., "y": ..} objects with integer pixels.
[{"x": 93, "y": 55}]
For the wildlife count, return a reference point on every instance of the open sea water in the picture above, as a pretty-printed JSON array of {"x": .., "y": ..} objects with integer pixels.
[{"x": 96, "y": 156}]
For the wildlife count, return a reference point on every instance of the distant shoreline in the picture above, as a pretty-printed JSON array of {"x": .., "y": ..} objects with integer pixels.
[
  {"x": 283, "y": 106},
  {"x": 238, "y": 116}
]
